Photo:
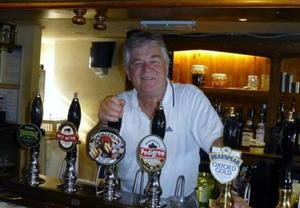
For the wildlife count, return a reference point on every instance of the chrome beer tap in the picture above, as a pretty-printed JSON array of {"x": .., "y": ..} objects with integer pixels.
[
  {"x": 29, "y": 136},
  {"x": 67, "y": 138},
  {"x": 107, "y": 148},
  {"x": 150, "y": 145},
  {"x": 230, "y": 161},
  {"x": 289, "y": 136}
]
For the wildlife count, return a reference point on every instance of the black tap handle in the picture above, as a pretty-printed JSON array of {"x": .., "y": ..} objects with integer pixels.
[
  {"x": 74, "y": 114},
  {"x": 115, "y": 125},
  {"x": 158, "y": 125},
  {"x": 37, "y": 110},
  {"x": 288, "y": 149}
]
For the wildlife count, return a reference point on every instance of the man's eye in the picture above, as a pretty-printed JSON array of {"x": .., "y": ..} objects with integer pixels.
[
  {"x": 155, "y": 61},
  {"x": 137, "y": 64}
]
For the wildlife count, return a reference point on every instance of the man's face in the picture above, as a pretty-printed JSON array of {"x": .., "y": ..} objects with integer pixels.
[{"x": 147, "y": 70}]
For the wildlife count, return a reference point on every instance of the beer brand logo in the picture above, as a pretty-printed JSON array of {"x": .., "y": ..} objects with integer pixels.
[
  {"x": 66, "y": 136},
  {"x": 106, "y": 147},
  {"x": 29, "y": 135},
  {"x": 225, "y": 164},
  {"x": 152, "y": 153}
]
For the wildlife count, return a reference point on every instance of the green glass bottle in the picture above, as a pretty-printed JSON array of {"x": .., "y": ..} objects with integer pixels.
[{"x": 204, "y": 189}]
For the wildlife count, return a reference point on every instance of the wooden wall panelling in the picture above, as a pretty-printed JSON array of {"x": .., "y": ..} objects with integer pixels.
[
  {"x": 236, "y": 66},
  {"x": 269, "y": 54}
]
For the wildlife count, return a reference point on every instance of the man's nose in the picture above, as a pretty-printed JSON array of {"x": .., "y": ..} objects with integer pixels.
[{"x": 147, "y": 66}]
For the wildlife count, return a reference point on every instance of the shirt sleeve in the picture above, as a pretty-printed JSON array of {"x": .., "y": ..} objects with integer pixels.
[{"x": 204, "y": 122}]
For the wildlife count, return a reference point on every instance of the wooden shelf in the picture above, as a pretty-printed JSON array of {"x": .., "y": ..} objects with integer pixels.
[
  {"x": 290, "y": 94},
  {"x": 9, "y": 86},
  {"x": 232, "y": 93},
  {"x": 260, "y": 156}
]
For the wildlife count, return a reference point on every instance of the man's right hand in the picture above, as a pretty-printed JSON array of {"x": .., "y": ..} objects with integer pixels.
[{"x": 111, "y": 109}]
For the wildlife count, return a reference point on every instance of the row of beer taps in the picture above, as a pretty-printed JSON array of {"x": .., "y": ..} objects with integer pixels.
[{"x": 106, "y": 147}]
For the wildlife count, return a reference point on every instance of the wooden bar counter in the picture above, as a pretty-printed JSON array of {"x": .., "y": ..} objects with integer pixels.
[{"x": 48, "y": 195}]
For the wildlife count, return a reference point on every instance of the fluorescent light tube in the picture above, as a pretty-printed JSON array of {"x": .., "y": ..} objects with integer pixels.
[{"x": 168, "y": 24}]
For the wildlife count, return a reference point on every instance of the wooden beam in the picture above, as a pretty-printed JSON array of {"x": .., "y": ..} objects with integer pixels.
[{"x": 46, "y": 4}]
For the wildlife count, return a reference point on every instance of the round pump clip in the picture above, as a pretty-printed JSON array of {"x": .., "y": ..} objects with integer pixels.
[
  {"x": 152, "y": 153},
  {"x": 29, "y": 135},
  {"x": 66, "y": 136},
  {"x": 106, "y": 147}
]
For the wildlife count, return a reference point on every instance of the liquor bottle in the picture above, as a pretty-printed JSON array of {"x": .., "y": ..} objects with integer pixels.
[
  {"x": 239, "y": 113},
  {"x": 288, "y": 149},
  {"x": 263, "y": 110},
  {"x": 289, "y": 134},
  {"x": 298, "y": 135},
  {"x": 218, "y": 108},
  {"x": 281, "y": 113},
  {"x": 276, "y": 131},
  {"x": 249, "y": 130},
  {"x": 293, "y": 107},
  {"x": 233, "y": 128},
  {"x": 204, "y": 189},
  {"x": 261, "y": 126},
  {"x": 74, "y": 113},
  {"x": 158, "y": 125}
]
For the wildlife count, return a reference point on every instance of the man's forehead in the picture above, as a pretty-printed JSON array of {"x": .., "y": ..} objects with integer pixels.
[{"x": 142, "y": 52}]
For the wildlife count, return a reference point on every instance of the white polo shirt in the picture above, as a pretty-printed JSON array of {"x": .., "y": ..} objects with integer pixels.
[{"x": 191, "y": 123}]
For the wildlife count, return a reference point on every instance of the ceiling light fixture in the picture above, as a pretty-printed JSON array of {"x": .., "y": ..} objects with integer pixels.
[
  {"x": 243, "y": 19},
  {"x": 167, "y": 25}
]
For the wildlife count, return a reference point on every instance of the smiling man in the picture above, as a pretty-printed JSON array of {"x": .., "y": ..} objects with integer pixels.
[{"x": 191, "y": 121}]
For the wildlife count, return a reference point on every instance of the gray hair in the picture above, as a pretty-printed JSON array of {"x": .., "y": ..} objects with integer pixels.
[{"x": 139, "y": 38}]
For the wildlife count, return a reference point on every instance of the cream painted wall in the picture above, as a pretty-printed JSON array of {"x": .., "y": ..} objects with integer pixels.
[
  {"x": 68, "y": 72},
  {"x": 29, "y": 37}
]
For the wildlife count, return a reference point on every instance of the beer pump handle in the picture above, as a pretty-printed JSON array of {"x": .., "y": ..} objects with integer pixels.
[
  {"x": 74, "y": 114},
  {"x": 158, "y": 125},
  {"x": 289, "y": 136},
  {"x": 37, "y": 110},
  {"x": 115, "y": 125}
]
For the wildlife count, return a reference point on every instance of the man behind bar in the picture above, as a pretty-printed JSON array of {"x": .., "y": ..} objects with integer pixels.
[{"x": 191, "y": 121}]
